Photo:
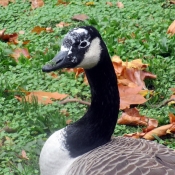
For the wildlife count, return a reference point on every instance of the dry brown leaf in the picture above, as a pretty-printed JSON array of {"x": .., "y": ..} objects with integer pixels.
[
  {"x": 10, "y": 38},
  {"x": 160, "y": 131},
  {"x": 49, "y": 29},
  {"x": 64, "y": 112},
  {"x": 42, "y": 97},
  {"x": 120, "y": 5},
  {"x": 20, "y": 51},
  {"x": 68, "y": 122},
  {"x": 26, "y": 42},
  {"x": 171, "y": 28},
  {"x": 62, "y": 24},
  {"x": 136, "y": 135},
  {"x": 90, "y": 3},
  {"x": 36, "y": 3},
  {"x": 130, "y": 95},
  {"x": 172, "y": 118},
  {"x": 38, "y": 29},
  {"x": 131, "y": 73},
  {"x": 23, "y": 155},
  {"x": 62, "y": 2},
  {"x": 4, "y": 3},
  {"x": 80, "y": 17},
  {"x": 53, "y": 74},
  {"x": 109, "y": 3},
  {"x": 21, "y": 32},
  {"x": 172, "y": 1},
  {"x": 132, "y": 117}
]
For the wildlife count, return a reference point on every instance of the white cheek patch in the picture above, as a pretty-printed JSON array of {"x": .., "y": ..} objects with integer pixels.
[
  {"x": 92, "y": 56},
  {"x": 63, "y": 48},
  {"x": 80, "y": 30}
]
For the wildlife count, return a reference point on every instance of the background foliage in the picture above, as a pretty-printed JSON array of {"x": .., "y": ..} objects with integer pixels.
[{"x": 142, "y": 25}]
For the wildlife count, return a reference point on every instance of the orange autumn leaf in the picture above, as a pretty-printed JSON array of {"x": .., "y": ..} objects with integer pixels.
[
  {"x": 130, "y": 95},
  {"x": 38, "y": 29},
  {"x": 172, "y": 1},
  {"x": 36, "y": 3},
  {"x": 42, "y": 97},
  {"x": 160, "y": 131},
  {"x": 171, "y": 129},
  {"x": 68, "y": 122},
  {"x": 53, "y": 74},
  {"x": 62, "y": 24},
  {"x": 23, "y": 155},
  {"x": 120, "y": 5},
  {"x": 136, "y": 135},
  {"x": 80, "y": 17},
  {"x": 5, "y": 3},
  {"x": 20, "y": 51},
  {"x": 131, "y": 73},
  {"x": 171, "y": 28},
  {"x": 49, "y": 29},
  {"x": 11, "y": 38},
  {"x": 172, "y": 118},
  {"x": 109, "y": 3},
  {"x": 62, "y": 2},
  {"x": 132, "y": 117}
]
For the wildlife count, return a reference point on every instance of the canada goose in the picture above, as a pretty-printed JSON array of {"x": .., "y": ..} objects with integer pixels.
[{"x": 85, "y": 147}]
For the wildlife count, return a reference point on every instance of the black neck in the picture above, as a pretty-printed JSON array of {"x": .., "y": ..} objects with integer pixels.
[{"x": 97, "y": 125}]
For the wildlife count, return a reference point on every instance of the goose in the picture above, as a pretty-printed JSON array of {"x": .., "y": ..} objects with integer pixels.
[{"x": 86, "y": 147}]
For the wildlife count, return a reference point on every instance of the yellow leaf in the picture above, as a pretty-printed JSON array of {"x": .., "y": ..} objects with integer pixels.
[{"x": 90, "y": 3}]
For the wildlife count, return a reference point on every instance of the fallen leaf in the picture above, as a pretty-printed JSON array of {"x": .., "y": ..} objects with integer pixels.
[
  {"x": 20, "y": 51},
  {"x": 171, "y": 129},
  {"x": 136, "y": 135},
  {"x": 109, "y": 3},
  {"x": 38, "y": 29},
  {"x": 171, "y": 28},
  {"x": 160, "y": 131},
  {"x": 64, "y": 112},
  {"x": 62, "y": 2},
  {"x": 4, "y": 3},
  {"x": 132, "y": 117},
  {"x": 49, "y": 29},
  {"x": 62, "y": 24},
  {"x": 90, "y": 3},
  {"x": 36, "y": 3},
  {"x": 42, "y": 97},
  {"x": 26, "y": 42},
  {"x": 68, "y": 122},
  {"x": 21, "y": 32},
  {"x": 11, "y": 38},
  {"x": 23, "y": 155},
  {"x": 130, "y": 95},
  {"x": 80, "y": 17},
  {"x": 172, "y": 118},
  {"x": 131, "y": 73},
  {"x": 120, "y": 5},
  {"x": 172, "y": 1},
  {"x": 53, "y": 74}
]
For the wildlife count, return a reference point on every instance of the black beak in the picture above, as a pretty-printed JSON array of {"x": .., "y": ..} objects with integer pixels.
[{"x": 58, "y": 62}]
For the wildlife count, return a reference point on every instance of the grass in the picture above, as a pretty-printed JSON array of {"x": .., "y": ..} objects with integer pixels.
[{"x": 32, "y": 123}]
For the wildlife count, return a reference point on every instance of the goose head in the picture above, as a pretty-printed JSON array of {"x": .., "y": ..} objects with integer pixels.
[{"x": 81, "y": 47}]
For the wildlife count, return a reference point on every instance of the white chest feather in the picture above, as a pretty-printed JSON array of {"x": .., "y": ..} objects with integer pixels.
[{"x": 54, "y": 157}]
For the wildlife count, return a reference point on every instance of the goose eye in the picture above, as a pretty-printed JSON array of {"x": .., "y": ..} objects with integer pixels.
[{"x": 83, "y": 44}]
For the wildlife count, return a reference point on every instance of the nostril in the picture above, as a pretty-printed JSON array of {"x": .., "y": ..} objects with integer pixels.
[{"x": 58, "y": 61}]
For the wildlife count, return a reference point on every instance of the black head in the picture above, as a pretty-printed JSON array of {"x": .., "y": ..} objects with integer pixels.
[{"x": 81, "y": 47}]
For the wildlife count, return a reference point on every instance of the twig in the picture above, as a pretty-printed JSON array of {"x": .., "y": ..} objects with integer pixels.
[
  {"x": 165, "y": 102},
  {"x": 74, "y": 100}
]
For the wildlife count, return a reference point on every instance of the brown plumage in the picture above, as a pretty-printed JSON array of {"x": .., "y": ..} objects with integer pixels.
[{"x": 126, "y": 156}]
